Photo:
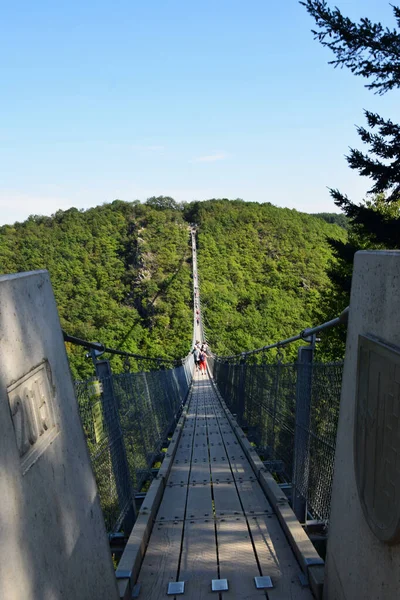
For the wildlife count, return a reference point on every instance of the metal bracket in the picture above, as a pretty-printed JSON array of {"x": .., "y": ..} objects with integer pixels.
[
  {"x": 219, "y": 585},
  {"x": 175, "y": 588},
  {"x": 124, "y": 574},
  {"x": 314, "y": 561},
  {"x": 263, "y": 583}
]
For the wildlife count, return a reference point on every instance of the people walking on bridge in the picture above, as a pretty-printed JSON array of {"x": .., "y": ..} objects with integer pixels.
[
  {"x": 203, "y": 362},
  {"x": 196, "y": 352}
]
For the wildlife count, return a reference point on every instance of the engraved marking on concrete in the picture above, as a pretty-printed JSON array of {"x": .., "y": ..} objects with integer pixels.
[{"x": 31, "y": 400}]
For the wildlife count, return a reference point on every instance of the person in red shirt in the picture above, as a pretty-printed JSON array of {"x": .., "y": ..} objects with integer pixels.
[{"x": 203, "y": 362}]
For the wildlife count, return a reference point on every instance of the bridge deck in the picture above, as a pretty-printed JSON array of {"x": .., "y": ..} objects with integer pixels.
[{"x": 214, "y": 521}]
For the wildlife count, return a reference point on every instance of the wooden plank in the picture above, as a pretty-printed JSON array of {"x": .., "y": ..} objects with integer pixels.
[
  {"x": 200, "y": 472},
  {"x": 191, "y": 413},
  {"x": 201, "y": 431},
  {"x": 223, "y": 421},
  {"x": 240, "y": 466},
  {"x": 221, "y": 473},
  {"x": 276, "y": 559},
  {"x": 179, "y": 474},
  {"x": 200, "y": 466},
  {"x": 237, "y": 561},
  {"x": 224, "y": 468},
  {"x": 214, "y": 436},
  {"x": 173, "y": 503},
  {"x": 160, "y": 564},
  {"x": 183, "y": 454},
  {"x": 253, "y": 498},
  {"x": 220, "y": 467},
  {"x": 200, "y": 451},
  {"x": 210, "y": 412},
  {"x": 230, "y": 444},
  {"x": 226, "y": 500},
  {"x": 218, "y": 455},
  {"x": 199, "y": 559},
  {"x": 201, "y": 416},
  {"x": 187, "y": 432},
  {"x": 212, "y": 426},
  {"x": 199, "y": 501},
  {"x": 300, "y": 542},
  {"x": 185, "y": 445},
  {"x": 242, "y": 470},
  {"x": 186, "y": 438},
  {"x": 230, "y": 439},
  {"x": 215, "y": 440}
]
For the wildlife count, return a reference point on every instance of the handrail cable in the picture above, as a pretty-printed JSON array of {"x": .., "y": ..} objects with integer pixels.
[
  {"x": 102, "y": 348},
  {"x": 303, "y": 335}
]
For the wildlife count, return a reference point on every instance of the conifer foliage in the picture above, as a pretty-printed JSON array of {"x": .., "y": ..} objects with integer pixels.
[
  {"x": 367, "y": 49},
  {"x": 371, "y": 51}
]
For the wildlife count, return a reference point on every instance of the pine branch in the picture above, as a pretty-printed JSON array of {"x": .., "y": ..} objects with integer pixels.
[
  {"x": 367, "y": 49},
  {"x": 381, "y": 162},
  {"x": 378, "y": 228}
]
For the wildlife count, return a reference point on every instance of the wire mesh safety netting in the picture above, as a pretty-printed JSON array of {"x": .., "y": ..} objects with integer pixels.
[
  {"x": 264, "y": 397},
  {"x": 127, "y": 419}
]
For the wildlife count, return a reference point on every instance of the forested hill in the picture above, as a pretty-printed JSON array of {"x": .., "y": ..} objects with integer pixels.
[
  {"x": 263, "y": 273},
  {"x": 121, "y": 273}
]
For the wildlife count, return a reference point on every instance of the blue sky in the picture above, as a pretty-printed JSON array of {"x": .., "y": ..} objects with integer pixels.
[{"x": 127, "y": 99}]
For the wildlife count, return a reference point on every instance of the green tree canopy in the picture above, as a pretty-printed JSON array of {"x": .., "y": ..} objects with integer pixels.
[
  {"x": 263, "y": 271},
  {"x": 162, "y": 203},
  {"x": 121, "y": 274}
]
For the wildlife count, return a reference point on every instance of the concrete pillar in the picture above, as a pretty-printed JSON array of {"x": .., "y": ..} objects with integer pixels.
[
  {"x": 363, "y": 558},
  {"x": 53, "y": 540}
]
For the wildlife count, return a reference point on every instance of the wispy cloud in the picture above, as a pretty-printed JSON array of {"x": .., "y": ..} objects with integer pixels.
[
  {"x": 153, "y": 148},
  {"x": 124, "y": 146},
  {"x": 210, "y": 158}
]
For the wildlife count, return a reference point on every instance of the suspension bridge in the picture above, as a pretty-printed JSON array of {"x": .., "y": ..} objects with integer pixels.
[
  {"x": 214, "y": 521},
  {"x": 202, "y": 485}
]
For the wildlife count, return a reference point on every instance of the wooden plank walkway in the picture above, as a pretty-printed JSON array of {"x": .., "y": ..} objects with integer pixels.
[{"x": 214, "y": 521}]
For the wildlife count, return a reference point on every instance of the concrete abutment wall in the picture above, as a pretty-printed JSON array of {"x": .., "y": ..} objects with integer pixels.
[
  {"x": 366, "y": 489},
  {"x": 53, "y": 540}
]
